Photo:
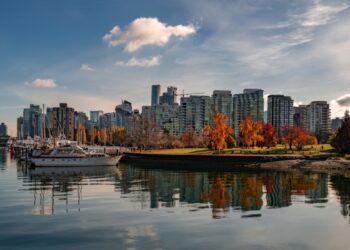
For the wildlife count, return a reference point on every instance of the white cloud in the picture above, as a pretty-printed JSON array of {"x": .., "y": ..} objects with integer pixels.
[
  {"x": 320, "y": 14},
  {"x": 43, "y": 83},
  {"x": 86, "y": 67},
  {"x": 143, "y": 62},
  {"x": 146, "y": 31}
]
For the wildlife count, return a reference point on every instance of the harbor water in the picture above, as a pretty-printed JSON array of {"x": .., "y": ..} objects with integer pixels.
[{"x": 148, "y": 207}]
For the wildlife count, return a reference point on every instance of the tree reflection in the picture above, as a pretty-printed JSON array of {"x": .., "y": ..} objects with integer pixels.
[
  {"x": 341, "y": 184},
  {"x": 245, "y": 191}
]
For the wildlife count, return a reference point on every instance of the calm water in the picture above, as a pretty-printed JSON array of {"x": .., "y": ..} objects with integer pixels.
[{"x": 131, "y": 207}]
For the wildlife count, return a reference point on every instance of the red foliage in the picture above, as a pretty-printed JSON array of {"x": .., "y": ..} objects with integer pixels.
[
  {"x": 270, "y": 139},
  {"x": 298, "y": 137}
]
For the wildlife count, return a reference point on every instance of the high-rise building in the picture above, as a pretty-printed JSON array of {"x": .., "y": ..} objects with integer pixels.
[
  {"x": 318, "y": 120},
  {"x": 300, "y": 117},
  {"x": 20, "y": 128},
  {"x": 195, "y": 112},
  {"x": 80, "y": 118},
  {"x": 155, "y": 94},
  {"x": 32, "y": 121},
  {"x": 95, "y": 117},
  {"x": 280, "y": 112},
  {"x": 162, "y": 116},
  {"x": 222, "y": 103},
  {"x": 134, "y": 124},
  {"x": 3, "y": 129},
  {"x": 108, "y": 120},
  {"x": 249, "y": 103},
  {"x": 169, "y": 97},
  {"x": 336, "y": 124},
  {"x": 63, "y": 121},
  {"x": 123, "y": 111}
]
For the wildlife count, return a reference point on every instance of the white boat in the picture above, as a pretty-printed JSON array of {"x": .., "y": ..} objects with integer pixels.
[{"x": 71, "y": 156}]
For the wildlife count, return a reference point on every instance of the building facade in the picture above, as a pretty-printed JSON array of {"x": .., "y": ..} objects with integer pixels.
[
  {"x": 280, "y": 112},
  {"x": 63, "y": 121},
  {"x": 300, "y": 117},
  {"x": 162, "y": 116},
  {"x": 95, "y": 117},
  {"x": 249, "y": 103},
  {"x": 3, "y": 129},
  {"x": 318, "y": 120},
  {"x": 336, "y": 124},
  {"x": 222, "y": 103},
  {"x": 195, "y": 112},
  {"x": 123, "y": 112},
  {"x": 32, "y": 121},
  {"x": 169, "y": 97},
  {"x": 155, "y": 94}
]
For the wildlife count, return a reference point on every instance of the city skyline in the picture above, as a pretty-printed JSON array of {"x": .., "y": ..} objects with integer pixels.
[{"x": 95, "y": 55}]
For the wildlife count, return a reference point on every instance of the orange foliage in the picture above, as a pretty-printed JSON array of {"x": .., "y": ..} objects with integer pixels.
[
  {"x": 251, "y": 132},
  {"x": 219, "y": 132}
]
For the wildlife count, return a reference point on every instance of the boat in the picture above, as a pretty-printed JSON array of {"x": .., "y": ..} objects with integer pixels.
[{"x": 71, "y": 155}]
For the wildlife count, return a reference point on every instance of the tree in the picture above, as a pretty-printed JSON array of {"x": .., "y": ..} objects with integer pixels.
[
  {"x": 251, "y": 132},
  {"x": 118, "y": 136},
  {"x": 289, "y": 135},
  {"x": 219, "y": 132},
  {"x": 270, "y": 139},
  {"x": 103, "y": 136},
  {"x": 298, "y": 137},
  {"x": 341, "y": 141},
  {"x": 190, "y": 138},
  {"x": 81, "y": 134}
]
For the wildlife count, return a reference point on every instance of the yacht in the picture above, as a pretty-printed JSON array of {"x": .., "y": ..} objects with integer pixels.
[{"x": 71, "y": 156}]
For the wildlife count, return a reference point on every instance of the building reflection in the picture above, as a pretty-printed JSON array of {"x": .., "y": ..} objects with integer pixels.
[{"x": 222, "y": 191}]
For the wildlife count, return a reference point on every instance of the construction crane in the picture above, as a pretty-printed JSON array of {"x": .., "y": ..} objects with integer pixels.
[{"x": 183, "y": 94}]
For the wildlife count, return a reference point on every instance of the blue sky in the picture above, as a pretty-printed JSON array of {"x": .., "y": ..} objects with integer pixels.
[{"x": 92, "y": 54}]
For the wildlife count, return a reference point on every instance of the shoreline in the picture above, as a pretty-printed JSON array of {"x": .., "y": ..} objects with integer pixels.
[{"x": 314, "y": 163}]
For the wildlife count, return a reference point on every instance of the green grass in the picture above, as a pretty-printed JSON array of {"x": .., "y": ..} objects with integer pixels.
[{"x": 278, "y": 150}]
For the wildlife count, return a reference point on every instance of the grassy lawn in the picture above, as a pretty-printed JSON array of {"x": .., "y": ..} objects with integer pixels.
[{"x": 279, "y": 149}]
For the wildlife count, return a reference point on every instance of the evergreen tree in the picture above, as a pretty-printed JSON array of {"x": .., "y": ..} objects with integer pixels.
[{"x": 341, "y": 141}]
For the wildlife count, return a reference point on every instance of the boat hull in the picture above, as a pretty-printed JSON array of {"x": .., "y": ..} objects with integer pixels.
[{"x": 75, "y": 162}]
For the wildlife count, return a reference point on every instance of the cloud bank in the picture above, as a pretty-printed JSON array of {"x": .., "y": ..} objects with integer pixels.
[{"x": 146, "y": 31}]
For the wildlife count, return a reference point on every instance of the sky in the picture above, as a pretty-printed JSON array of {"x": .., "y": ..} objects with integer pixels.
[{"x": 92, "y": 54}]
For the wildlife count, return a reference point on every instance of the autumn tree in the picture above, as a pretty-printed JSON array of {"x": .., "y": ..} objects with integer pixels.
[
  {"x": 251, "y": 132},
  {"x": 189, "y": 138},
  {"x": 219, "y": 132},
  {"x": 341, "y": 140},
  {"x": 103, "y": 136},
  {"x": 95, "y": 135},
  {"x": 81, "y": 134},
  {"x": 298, "y": 137},
  {"x": 118, "y": 135},
  {"x": 270, "y": 139}
]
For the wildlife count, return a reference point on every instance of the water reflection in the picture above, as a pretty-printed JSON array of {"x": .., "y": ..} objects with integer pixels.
[
  {"x": 3, "y": 159},
  {"x": 222, "y": 191},
  {"x": 147, "y": 188},
  {"x": 341, "y": 183},
  {"x": 56, "y": 185}
]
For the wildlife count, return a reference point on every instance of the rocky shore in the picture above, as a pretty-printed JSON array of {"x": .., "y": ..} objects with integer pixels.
[{"x": 328, "y": 165}]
